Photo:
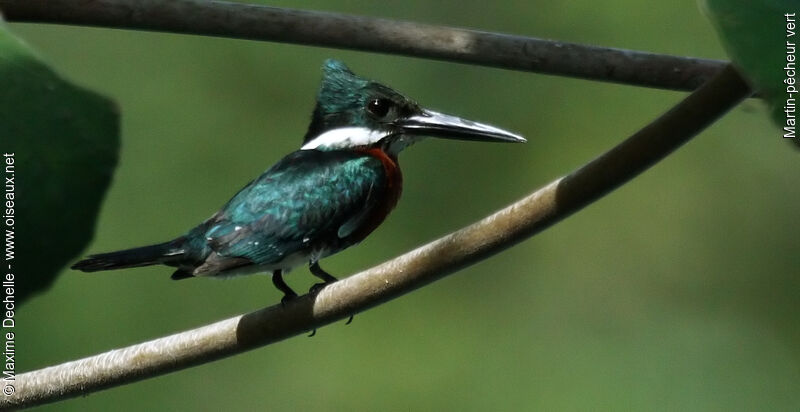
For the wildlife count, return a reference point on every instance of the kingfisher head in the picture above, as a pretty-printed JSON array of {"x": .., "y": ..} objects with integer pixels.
[{"x": 353, "y": 112}]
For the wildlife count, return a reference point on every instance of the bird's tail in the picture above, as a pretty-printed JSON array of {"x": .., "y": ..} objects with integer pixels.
[{"x": 140, "y": 256}]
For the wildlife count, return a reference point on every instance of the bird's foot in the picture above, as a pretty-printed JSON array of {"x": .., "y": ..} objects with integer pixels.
[
  {"x": 315, "y": 288},
  {"x": 326, "y": 277},
  {"x": 288, "y": 293},
  {"x": 327, "y": 280},
  {"x": 288, "y": 298},
  {"x": 314, "y": 331},
  {"x": 320, "y": 273}
]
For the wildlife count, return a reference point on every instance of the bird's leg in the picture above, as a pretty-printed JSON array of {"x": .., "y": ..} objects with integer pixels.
[
  {"x": 328, "y": 278},
  {"x": 320, "y": 273},
  {"x": 288, "y": 293}
]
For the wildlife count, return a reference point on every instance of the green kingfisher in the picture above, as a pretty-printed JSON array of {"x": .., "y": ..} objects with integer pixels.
[{"x": 316, "y": 201}]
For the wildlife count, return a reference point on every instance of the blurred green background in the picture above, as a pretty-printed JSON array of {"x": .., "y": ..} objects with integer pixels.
[{"x": 678, "y": 291}]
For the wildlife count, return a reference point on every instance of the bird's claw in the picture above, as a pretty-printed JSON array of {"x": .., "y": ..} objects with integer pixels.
[{"x": 315, "y": 288}]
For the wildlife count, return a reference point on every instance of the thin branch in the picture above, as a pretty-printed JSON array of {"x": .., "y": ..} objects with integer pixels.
[
  {"x": 256, "y": 22},
  {"x": 394, "y": 278}
]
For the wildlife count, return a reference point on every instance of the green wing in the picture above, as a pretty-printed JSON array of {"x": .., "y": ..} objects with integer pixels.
[{"x": 309, "y": 200}]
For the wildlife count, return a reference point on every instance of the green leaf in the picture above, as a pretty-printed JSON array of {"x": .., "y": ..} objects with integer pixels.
[
  {"x": 64, "y": 140},
  {"x": 759, "y": 36}
]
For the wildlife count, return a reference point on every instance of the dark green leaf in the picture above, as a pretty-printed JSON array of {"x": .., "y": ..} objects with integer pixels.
[
  {"x": 65, "y": 141},
  {"x": 759, "y": 37}
]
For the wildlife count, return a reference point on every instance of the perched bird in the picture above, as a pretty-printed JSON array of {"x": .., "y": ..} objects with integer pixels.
[{"x": 316, "y": 201}]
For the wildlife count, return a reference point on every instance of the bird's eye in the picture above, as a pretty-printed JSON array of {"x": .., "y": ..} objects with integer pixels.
[{"x": 379, "y": 107}]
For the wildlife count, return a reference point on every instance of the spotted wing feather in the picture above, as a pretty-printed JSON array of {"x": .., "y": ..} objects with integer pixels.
[{"x": 299, "y": 205}]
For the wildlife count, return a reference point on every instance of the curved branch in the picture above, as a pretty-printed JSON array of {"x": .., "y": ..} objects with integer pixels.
[
  {"x": 426, "y": 264},
  {"x": 255, "y": 22}
]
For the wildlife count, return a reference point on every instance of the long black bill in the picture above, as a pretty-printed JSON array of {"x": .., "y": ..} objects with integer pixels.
[{"x": 430, "y": 123}]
